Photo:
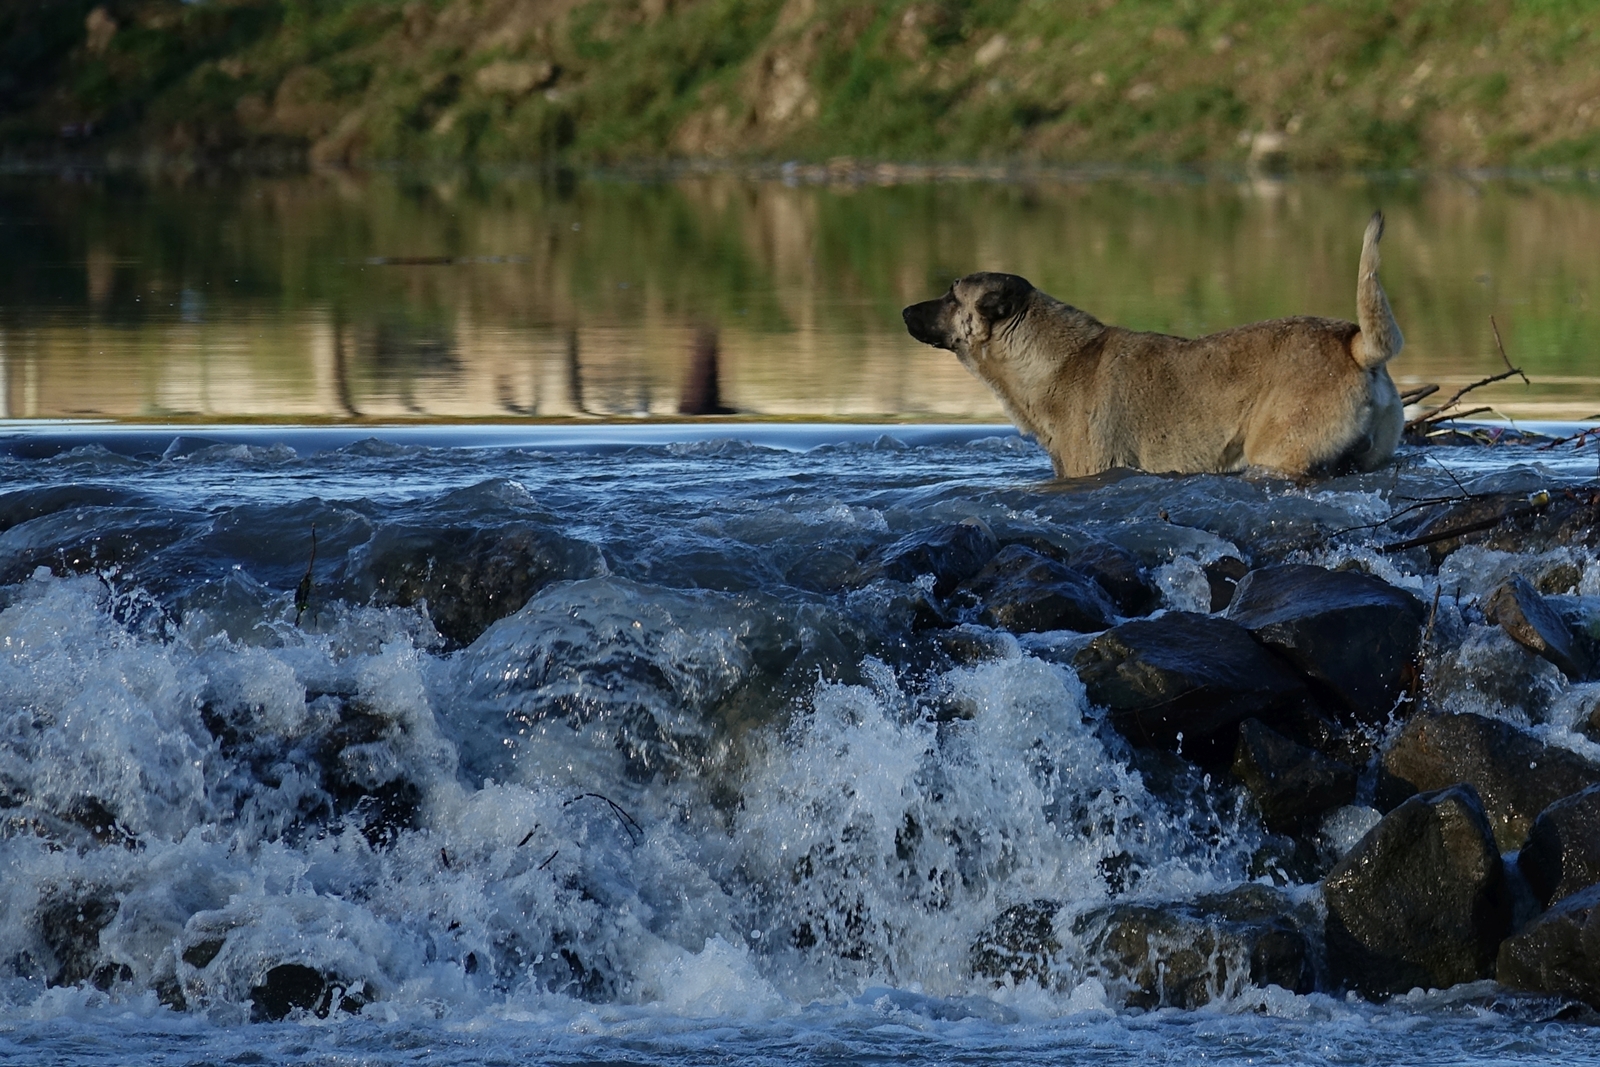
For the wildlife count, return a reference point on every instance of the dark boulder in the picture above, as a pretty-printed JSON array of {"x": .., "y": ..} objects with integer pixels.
[
  {"x": 1020, "y": 945},
  {"x": 291, "y": 987},
  {"x": 952, "y": 553},
  {"x": 1292, "y": 784},
  {"x": 1355, "y": 636},
  {"x": 1223, "y": 577},
  {"x": 1421, "y": 900},
  {"x": 469, "y": 577},
  {"x": 1185, "y": 676},
  {"x": 1118, "y": 574},
  {"x": 1187, "y": 954},
  {"x": 70, "y": 920},
  {"x": 1562, "y": 855},
  {"x": 1025, "y": 592},
  {"x": 1558, "y": 952},
  {"x": 1521, "y": 612},
  {"x": 1516, "y": 775}
]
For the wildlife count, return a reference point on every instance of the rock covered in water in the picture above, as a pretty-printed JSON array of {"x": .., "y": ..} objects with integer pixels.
[
  {"x": 1223, "y": 576},
  {"x": 1421, "y": 900},
  {"x": 1558, "y": 952},
  {"x": 1185, "y": 675},
  {"x": 1119, "y": 575},
  {"x": 469, "y": 577},
  {"x": 1481, "y": 669},
  {"x": 1187, "y": 954},
  {"x": 1521, "y": 612},
  {"x": 292, "y": 987},
  {"x": 1292, "y": 784},
  {"x": 1355, "y": 636},
  {"x": 1515, "y": 774},
  {"x": 1025, "y": 592},
  {"x": 1020, "y": 945},
  {"x": 951, "y": 553},
  {"x": 1562, "y": 855}
]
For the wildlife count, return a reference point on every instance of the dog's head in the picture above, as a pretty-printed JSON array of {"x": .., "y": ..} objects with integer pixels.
[{"x": 968, "y": 315}]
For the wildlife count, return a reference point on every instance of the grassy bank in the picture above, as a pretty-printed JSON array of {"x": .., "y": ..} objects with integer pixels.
[{"x": 1343, "y": 83}]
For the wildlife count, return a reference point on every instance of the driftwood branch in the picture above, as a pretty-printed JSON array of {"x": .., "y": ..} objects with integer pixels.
[
  {"x": 1503, "y": 357},
  {"x": 1447, "y": 410},
  {"x": 1421, "y": 392}
]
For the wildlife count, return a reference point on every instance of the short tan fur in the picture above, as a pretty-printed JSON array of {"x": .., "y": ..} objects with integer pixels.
[{"x": 1298, "y": 395}]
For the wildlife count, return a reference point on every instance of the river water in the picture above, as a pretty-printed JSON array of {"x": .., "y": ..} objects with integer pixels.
[
  {"x": 593, "y": 746},
  {"x": 404, "y": 295}
]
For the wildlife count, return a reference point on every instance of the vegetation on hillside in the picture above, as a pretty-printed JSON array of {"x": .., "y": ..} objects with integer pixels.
[{"x": 1339, "y": 83}]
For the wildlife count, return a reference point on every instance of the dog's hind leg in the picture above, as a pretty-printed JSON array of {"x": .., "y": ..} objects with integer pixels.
[{"x": 1380, "y": 336}]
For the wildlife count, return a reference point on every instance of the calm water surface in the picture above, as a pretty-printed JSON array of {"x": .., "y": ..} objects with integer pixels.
[{"x": 383, "y": 296}]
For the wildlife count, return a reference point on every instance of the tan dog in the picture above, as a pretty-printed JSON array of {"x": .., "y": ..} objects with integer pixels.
[{"x": 1300, "y": 395}]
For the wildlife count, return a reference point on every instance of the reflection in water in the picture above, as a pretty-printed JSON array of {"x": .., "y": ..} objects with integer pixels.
[
  {"x": 702, "y": 393},
  {"x": 399, "y": 296}
]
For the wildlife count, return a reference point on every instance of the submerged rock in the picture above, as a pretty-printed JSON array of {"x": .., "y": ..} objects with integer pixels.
[
  {"x": 469, "y": 577},
  {"x": 951, "y": 553},
  {"x": 1514, "y": 773},
  {"x": 1562, "y": 855},
  {"x": 1293, "y": 785},
  {"x": 1521, "y": 612},
  {"x": 1223, "y": 577},
  {"x": 1185, "y": 676},
  {"x": 1355, "y": 636},
  {"x": 1187, "y": 954},
  {"x": 1020, "y": 945},
  {"x": 70, "y": 920},
  {"x": 1558, "y": 952},
  {"x": 1025, "y": 592},
  {"x": 1119, "y": 575},
  {"x": 1422, "y": 900},
  {"x": 291, "y": 987}
]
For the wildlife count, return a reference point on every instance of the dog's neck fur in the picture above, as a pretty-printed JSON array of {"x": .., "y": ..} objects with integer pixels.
[{"x": 1028, "y": 360}]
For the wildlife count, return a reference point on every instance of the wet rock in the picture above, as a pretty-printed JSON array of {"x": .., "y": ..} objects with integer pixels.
[
  {"x": 1562, "y": 855},
  {"x": 1293, "y": 785},
  {"x": 1513, "y": 522},
  {"x": 1558, "y": 952},
  {"x": 70, "y": 920},
  {"x": 1514, "y": 773},
  {"x": 1019, "y": 945},
  {"x": 1483, "y": 670},
  {"x": 1422, "y": 900},
  {"x": 291, "y": 987},
  {"x": 1185, "y": 675},
  {"x": 952, "y": 553},
  {"x": 1025, "y": 592},
  {"x": 1355, "y": 636},
  {"x": 1521, "y": 612},
  {"x": 469, "y": 577},
  {"x": 1223, "y": 576},
  {"x": 365, "y": 777},
  {"x": 1187, "y": 954},
  {"x": 1120, "y": 577}
]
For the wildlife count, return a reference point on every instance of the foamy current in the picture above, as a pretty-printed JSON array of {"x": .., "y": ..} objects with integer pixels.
[{"x": 566, "y": 747}]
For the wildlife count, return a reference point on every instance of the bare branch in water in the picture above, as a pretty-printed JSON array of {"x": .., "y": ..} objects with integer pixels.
[
  {"x": 629, "y": 823},
  {"x": 302, "y": 594},
  {"x": 1503, "y": 357}
]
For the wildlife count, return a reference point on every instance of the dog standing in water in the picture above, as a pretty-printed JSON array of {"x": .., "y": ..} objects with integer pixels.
[{"x": 1299, "y": 395}]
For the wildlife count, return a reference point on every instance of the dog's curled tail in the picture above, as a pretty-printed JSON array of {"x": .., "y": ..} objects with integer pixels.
[{"x": 1380, "y": 336}]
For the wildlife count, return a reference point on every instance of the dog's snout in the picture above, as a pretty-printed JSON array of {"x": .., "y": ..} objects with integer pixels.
[{"x": 922, "y": 322}]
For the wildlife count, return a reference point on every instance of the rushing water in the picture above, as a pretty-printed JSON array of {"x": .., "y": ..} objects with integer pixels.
[
  {"x": 573, "y": 747},
  {"x": 399, "y": 295}
]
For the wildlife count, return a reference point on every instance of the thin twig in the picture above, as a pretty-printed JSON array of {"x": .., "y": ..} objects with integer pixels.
[
  {"x": 1434, "y": 418},
  {"x": 1452, "y": 475},
  {"x": 302, "y": 593},
  {"x": 1443, "y": 412},
  {"x": 629, "y": 823},
  {"x": 548, "y": 860},
  {"x": 1507, "y": 359},
  {"x": 1421, "y": 392},
  {"x": 526, "y": 838}
]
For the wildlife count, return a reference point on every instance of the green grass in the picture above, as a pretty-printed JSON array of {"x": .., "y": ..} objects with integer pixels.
[{"x": 1345, "y": 83}]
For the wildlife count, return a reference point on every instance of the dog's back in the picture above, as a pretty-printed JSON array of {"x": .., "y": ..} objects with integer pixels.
[{"x": 1299, "y": 395}]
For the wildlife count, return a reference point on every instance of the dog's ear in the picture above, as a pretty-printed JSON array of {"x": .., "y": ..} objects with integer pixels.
[{"x": 1003, "y": 296}]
